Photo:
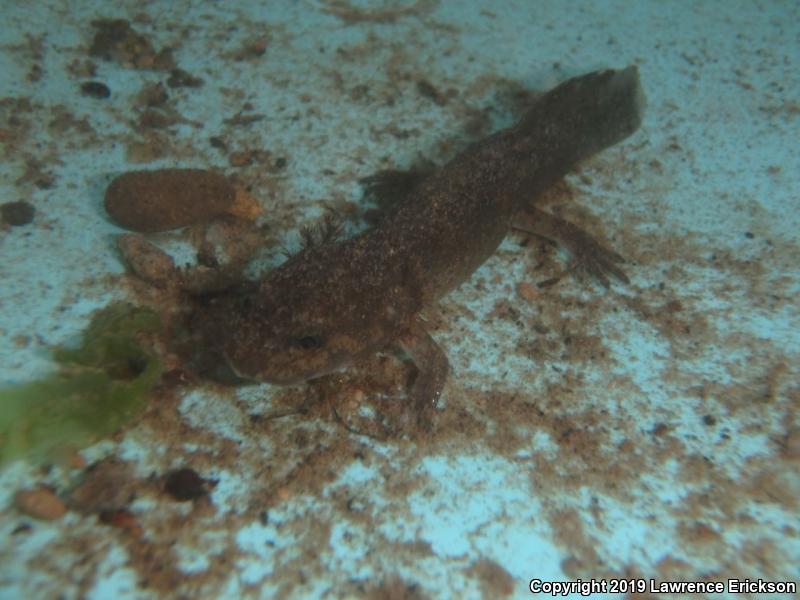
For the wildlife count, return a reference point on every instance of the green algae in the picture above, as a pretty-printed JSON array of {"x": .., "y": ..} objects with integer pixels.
[{"x": 101, "y": 385}]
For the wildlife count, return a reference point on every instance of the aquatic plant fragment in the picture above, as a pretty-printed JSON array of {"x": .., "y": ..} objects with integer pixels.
[{"x": 101, "y": 385}]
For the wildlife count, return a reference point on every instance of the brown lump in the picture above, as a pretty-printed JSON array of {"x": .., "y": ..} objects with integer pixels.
[
  {"x": 185, "y": 484},
  {"x": 164, "y": 199},
  {"x": 17, "y": 213},
  {"x": 107, "y": 486},
  {"x": 116, "y": 40},
  {"x": 40, "y": 503},
  {"x": 146, "y": 260}
]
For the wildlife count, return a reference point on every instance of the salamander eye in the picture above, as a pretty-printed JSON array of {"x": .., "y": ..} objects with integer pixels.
[{"x": 309, "y": 342}]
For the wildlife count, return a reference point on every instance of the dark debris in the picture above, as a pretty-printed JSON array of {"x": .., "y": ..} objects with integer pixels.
[
  {"x": 185, "y": 485},
  {"x": 17, "y": 213}
]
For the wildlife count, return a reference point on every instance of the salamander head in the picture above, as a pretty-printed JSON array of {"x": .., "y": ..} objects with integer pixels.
[{"x": 304, "y": 321}]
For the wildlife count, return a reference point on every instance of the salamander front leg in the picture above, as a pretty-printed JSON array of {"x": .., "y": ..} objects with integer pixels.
[
  {"x": 588, "y": 255},
  {"x": 433, "y": 367}
]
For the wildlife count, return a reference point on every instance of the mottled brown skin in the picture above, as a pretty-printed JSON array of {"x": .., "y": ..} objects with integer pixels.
[{"x": 336, "y": 302}]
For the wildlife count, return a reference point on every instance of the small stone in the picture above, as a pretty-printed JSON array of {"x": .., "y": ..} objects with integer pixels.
[
  {"x": 241, "y": 159},
  {"x": 253, "y": 49},
  {"x": 185, "y": 484},
  {"x": 122, "y": 519},
  {"x": 40, "y": 503},
  {"x": 17, "y": 213},
  {"x": 146, "y": 260},
  {"x": 95, "y": 89},
  {"x": 164, "y": 199},
  {"x": 218, "y": 143},
  {"x": 245, "y": 206}
]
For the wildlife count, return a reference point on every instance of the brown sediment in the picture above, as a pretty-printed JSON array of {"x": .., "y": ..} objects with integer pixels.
[{"x": 115, "y": 39}]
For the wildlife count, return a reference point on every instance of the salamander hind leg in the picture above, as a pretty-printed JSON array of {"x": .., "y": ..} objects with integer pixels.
[
  {"x": 588, "y": 256},
  {"x": 433, "y": 367}
]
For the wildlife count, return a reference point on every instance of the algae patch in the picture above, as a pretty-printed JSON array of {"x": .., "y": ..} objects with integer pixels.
[{"x": 101, "y": 385}]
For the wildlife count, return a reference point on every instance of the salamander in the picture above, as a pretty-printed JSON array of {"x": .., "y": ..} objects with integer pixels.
[{"x": 338, "y": 301}]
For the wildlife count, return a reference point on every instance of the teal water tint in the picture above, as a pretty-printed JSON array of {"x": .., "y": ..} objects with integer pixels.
[{"x": 646, "y": 431}]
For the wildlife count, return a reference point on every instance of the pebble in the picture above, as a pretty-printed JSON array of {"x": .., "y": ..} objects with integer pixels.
[
  {"x": 164, "y": 199},
  {"x": 528, "y": 292},
  {"x": 17, "y": 213},
  {"x": 95, "y": 89},
  {"x": 146, "y": 260},
  {"x": 185, "y": 484},
  {"x": 40, "y": 503}
]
